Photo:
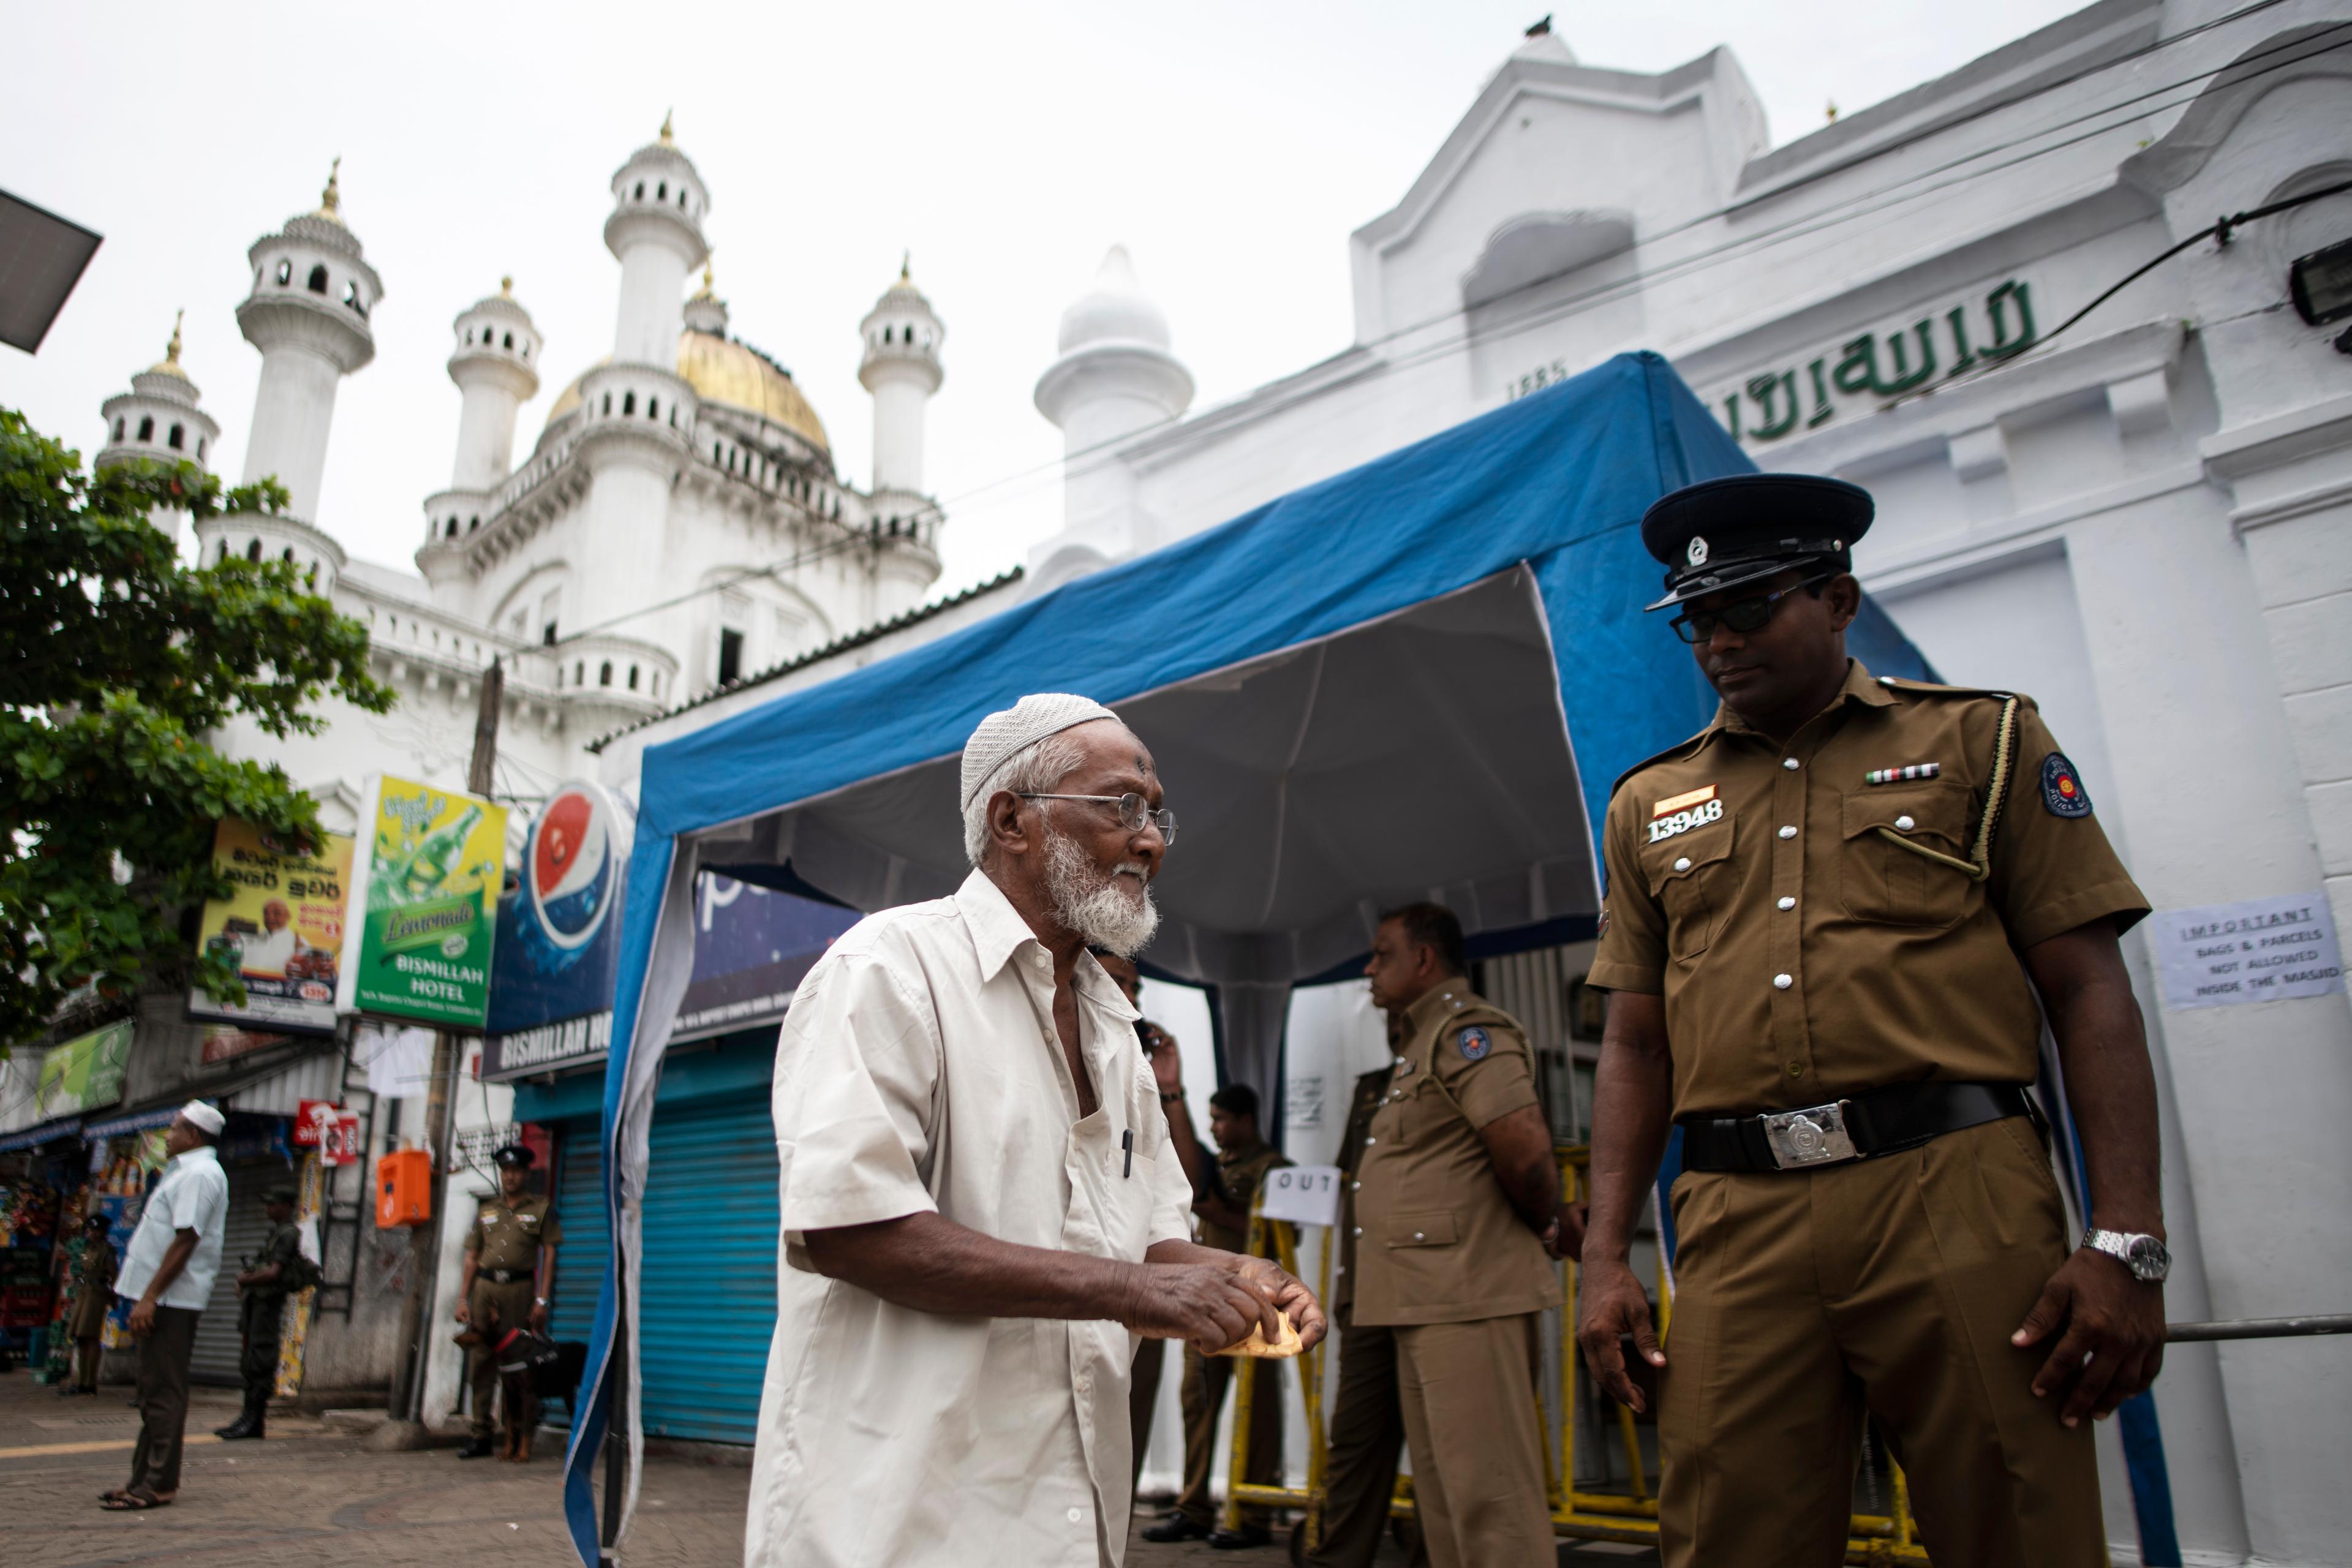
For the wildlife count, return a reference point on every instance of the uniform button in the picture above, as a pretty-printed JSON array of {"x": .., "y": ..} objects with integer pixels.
[
  {"x": 1367, "y": 1142},
  {"x": 1885, "y": 681},
  {"x": 1355, "y": 1186},
  {"x": 1396, "y": 1061},
  {"x": 1420, "y": 1235},
  {"x": 1683, "y": 864},
  {"x": 1787, "y": 833},
  {"x": 1360, "y": 1230},
  {"x": 1790, "y": 764},
  {"x": 1788, "y": 903},
  {"x": 1782, "y": 981},
  {"x": 1904, "y": 824},
  {"x": 1340, "y": 1268},
  {"x": 1796, "y": 1070}
]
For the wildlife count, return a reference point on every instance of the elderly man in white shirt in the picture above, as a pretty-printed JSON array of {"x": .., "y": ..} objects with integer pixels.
[
  {"x": 983, "y": 1213},
  {"x": 167, "y": 1275}
]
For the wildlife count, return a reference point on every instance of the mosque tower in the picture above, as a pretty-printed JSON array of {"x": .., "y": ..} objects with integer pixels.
[
  {"x": 1115, "y": 377},
  {"x": 313, "y": 293},
  {"x": 495, "y": 366},
  {"x": 158, "y": 418},
  {"x": 901, "y": 369},
  {"x": 638, "y": 413}
]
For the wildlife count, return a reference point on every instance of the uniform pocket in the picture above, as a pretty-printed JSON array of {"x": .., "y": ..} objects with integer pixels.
[
  {"x": 1690, "y": 877},
  {"x": 1421, "y": 1227},
  {"x": 1881, "y": 881}
]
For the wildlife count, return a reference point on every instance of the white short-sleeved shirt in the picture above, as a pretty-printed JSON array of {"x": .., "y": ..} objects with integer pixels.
[
  {"x": 191, "y": 1195},
  {"x": 919, "y": 1071}
]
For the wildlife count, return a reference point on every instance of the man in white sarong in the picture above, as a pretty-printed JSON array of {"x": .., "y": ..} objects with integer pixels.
[{"x": 981, "y": 1211}]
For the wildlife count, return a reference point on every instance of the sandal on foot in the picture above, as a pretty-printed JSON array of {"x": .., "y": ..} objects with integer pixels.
[{"x": 135, "y": 1500}]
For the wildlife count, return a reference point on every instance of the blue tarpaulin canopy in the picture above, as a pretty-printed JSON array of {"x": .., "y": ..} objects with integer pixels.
[{"x": 1419, "y": 678}]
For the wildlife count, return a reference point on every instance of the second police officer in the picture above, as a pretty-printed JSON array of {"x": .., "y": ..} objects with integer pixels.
[{"x": 508, "y": 1271}]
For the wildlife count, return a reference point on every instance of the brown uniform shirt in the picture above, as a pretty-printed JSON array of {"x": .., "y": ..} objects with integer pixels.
[
  {"x": 1802, "y": 956},
  {"x": 1440, "y": 1240},
  {"x": 508, "y": 1235},
  {"x": 1371, "y": 1089},
  {"x": 1241, "y": 1171}
]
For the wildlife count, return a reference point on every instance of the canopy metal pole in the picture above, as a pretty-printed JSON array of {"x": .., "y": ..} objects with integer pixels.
[{"x": 2260, "y": 1328}]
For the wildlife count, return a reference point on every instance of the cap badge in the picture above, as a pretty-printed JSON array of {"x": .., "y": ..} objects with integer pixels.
[{"x": 1696, "y": 555}]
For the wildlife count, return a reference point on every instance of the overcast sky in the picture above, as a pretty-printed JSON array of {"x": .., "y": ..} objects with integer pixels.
[{"x": 1233, "y": 147}]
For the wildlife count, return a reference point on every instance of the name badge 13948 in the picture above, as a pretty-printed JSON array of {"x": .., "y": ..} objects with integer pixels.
[{"x": 1665, "y": 827}]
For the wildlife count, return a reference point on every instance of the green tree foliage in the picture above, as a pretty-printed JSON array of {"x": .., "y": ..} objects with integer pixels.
[{"x": 117, "y": 660}]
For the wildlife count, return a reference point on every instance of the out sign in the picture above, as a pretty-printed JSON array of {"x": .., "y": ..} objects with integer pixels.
[{"x": 1305, "y": 1194}]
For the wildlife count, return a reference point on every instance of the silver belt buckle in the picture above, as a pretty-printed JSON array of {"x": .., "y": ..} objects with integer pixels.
[{"x": 1813, "y": 1136}]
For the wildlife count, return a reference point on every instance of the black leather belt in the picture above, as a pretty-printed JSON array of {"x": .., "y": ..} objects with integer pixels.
[
  {"x": 507, "y": 1276},
  {"x": 1877, "y": 1122}
]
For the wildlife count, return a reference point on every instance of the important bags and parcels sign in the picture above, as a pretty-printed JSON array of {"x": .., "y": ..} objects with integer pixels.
[{"x": 425, "y": 882}]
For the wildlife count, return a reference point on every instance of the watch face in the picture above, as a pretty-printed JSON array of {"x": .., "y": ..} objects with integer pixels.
[{"x": 2150, "y": 1259}]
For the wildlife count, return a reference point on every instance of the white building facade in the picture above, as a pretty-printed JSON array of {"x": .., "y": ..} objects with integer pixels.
[{"x": 2144, "y": 519}]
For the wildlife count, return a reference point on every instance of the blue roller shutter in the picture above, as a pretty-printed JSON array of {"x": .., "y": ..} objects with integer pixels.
[
  {"x": 580, "y": 1261},
  {"x": 709, "y": 1291}
]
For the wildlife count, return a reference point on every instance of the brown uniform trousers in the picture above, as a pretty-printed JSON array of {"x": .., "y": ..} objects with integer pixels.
[
  {"x": 1804, "y": 955},
  {"x": 1445, "y": 1264},
  {"x": 507, "y": 1237},
  {"x": 1206, "y": 1378}
]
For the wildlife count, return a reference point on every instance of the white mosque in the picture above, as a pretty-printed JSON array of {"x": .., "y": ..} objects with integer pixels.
[{"x": 686, "y": 466}]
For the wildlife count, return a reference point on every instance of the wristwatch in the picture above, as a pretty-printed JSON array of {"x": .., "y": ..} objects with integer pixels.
[{"x": 2148, "y": 1259}]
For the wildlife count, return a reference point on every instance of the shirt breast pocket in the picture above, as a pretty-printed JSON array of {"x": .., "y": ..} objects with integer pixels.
[
  {"x": 1882, "y": 881},
  {"x": 1691, "y": 877}
]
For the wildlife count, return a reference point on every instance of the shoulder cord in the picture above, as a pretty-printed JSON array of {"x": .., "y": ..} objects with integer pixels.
[{"x": 1979, "y": 866}]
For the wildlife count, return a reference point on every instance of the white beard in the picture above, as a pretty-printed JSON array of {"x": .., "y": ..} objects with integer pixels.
[{"x": 1111, "y": 910}]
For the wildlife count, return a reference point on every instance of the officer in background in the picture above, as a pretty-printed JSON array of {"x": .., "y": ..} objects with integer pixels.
[
  {"x": 93, "y": 1295},
  {"x": 1826, "y": 919},
  {"x": 510, "y": 1268},
  {"x": 1359, "y": 1464},
  {"x": 1459, "y": 1226},
  {"x": 1243, "y": 1159},
  {"x": 261, "y": 1313}
]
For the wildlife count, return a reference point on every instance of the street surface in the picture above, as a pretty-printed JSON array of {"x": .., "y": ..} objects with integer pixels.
[{"x": 311, "y": 1494}]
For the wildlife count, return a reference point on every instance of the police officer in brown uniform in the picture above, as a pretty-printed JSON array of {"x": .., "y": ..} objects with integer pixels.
[
  {"x": 510, "y": 1268},
  {"x": 1243, "y": 1159},
  {"x": 1826, "y": 919},
  {"x": 1458, "y": 1223},
  {"x": 1360, "y": 1466}
]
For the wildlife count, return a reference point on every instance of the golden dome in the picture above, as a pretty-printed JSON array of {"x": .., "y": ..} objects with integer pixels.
[
  {"x": 722, "y": 371},
  {"x": 170, "y": 364}
]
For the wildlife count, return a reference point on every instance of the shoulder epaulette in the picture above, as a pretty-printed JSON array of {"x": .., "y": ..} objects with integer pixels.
[
  {"x": 1668, "y": 754},
  {"x": 1932, "y": 688}
]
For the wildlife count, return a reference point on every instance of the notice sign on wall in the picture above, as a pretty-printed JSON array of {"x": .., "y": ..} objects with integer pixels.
[
  {"x": 426, "y": 880},
  {"x": 2264, "y": 950}
]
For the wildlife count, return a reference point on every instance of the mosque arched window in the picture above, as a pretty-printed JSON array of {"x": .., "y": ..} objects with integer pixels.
[
  {"x": 641, "y": 191},
  {"x": 117, "y": 428},
  {"x": 285, "y": 273},
  {"x": 317, "y": 284},
  {"x": 175, "y": 438},
  {"x": 681, "y": 199},
  {"x": 506, "y": 342},
  {"x": 287, "y": 555},
  {"x": 352, "y": 297},
  {"x": 200, "y": 449},
  {"x": 653, "y": 408},
  {"x": 604, "y": 673},
  {"x": 470, "y": 337},
  {"x": 632, "y": 677},
  {"x": 628, "y": 403},
  {"x": 608, "y": 402},
  {"x": 223, "y": 555},
  {"x": 146, "y": 427},
  {"x": 661, "y": 192},
  {"x": 452, "y": 531},
  {"x": 714, "y": 452},
  {"x": 252, "y": 550},
  {"x": 472, "y": 524}
]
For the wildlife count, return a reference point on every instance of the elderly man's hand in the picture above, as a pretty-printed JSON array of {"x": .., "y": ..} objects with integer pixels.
[
  {"x": 143, "y": 1318},
  {"x": 1289, "y": 1295}
]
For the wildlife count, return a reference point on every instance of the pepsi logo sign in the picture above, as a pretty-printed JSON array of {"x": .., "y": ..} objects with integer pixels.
[{"x": 573, "y": 862}]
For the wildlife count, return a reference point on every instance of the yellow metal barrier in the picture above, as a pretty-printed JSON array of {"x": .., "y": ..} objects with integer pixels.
[{"x": 1630, "y": 1516}]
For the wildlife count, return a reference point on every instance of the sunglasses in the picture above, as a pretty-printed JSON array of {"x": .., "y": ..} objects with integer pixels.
[{"x": 1742, "y": 616}]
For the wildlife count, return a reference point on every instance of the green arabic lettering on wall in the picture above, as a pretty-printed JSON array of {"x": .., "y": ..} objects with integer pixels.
[{"x": 1768, "y": 407}]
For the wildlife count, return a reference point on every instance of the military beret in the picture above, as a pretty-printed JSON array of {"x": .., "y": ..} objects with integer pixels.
[
  {"x": 1721, "y": 533},
  {"x": 515, "y": 1155}
]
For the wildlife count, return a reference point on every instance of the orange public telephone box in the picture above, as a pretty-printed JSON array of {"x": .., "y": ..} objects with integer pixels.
[{"x": 403, "y": 1188}]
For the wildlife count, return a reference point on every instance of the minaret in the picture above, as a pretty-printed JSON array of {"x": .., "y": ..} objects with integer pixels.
[
  {"x": 706, "y": 312},
  {"x": 901, "y": 369},
  {"x": 495, "y": 364},
  {"x": 158, "y": 420},
  {"x": 1114, "y": 378},
  {"x": 312, "y": 295},
  {"x": 655, "y": 230}
]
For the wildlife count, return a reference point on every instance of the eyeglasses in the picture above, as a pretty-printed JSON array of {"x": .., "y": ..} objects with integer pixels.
[
  {"x": 1743, "y": 616},
  {"x": 1134, "y": 812}
]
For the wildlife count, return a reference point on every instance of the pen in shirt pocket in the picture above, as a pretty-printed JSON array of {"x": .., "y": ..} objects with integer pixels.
[{"x": 1127, "y": 1143}]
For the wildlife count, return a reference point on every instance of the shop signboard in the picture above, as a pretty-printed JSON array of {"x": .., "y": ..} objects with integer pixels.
[
  {"x": 84, "y": 1073},
  {"x": 226, "y": 1043},
  {"x": 424, "y": 880},
  {"x": 559, "y": 943},
  {"x": 311, "y": 1119},
  {"x": 281, "y": 925},
  {"x": 339, "y": 1141}
]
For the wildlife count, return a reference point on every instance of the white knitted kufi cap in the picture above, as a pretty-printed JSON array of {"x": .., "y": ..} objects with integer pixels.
[
  {"x": 208, "y": 1117},
  {"x": 1002, "y": 734}
]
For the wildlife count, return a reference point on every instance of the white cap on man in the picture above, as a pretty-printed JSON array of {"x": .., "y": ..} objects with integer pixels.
[
  {"x": 198, "y": 1113},
  {"x": 1003, "y": 734}
]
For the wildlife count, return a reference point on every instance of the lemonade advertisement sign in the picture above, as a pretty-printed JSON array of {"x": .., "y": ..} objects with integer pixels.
[{"x": 429, "y": 868}]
